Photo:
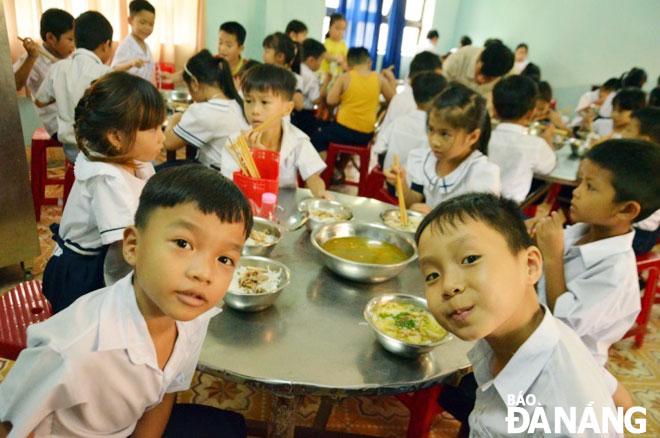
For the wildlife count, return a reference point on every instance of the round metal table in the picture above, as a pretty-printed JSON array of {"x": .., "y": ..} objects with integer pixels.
[{"x": 314, "y": 339}]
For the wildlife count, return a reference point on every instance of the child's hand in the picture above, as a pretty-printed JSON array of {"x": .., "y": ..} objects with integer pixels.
[
  {"x": 530, "y": 224},
  {"x": 390, "y": 174},
  {"x": 550, "y": 235},
  {"x": 420, "y": 207},
  {"x": 175, "y": 119},
  {"x": 137, "y": 62},
  {"x": 31, "y": 47},
  {"x": 254, "y": 139},
  {"x": 548, "y": 133},
  {"x": 326, "y": 195},
  {"x": 388, "y": 74}
]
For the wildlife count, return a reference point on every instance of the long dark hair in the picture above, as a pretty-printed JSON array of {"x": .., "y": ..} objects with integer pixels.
[
  {"x": 634, "y": 78},
  {"x": 333, "y": 18},
  {"x": 212, "y": 71}
]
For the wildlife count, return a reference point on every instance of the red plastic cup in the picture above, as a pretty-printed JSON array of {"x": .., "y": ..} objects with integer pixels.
[
  {"x": 164, "y": 67},
  {"x": 268, "y": 163}
]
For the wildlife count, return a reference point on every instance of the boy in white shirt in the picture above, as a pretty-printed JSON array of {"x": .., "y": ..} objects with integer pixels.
[
  {"x": 480, "y": 268},
  {"x": 312, "y": 55},
  {"x": 134, "y": 48},
  {"x": 404, "y": 101},
  {"x": 624, "y": 103},
  {"x": 56, "y": 29},
  {"x": 518, "y": 154},
  {"x": 68, "y": 79},
  {"x": 408, "y": 132},
  {"x": 590, "y": 279},
  {"x": 268, "y": 91},
  {"x": 112, "y": 362}
]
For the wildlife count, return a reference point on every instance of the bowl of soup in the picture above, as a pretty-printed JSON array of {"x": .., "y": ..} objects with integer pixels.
[
  {"x": 363, "y": 251},
  {"x": 403, "y": 324}
]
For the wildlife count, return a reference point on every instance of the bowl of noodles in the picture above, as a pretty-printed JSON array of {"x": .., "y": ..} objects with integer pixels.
[
  {"x": 322, "y": 211},
  {"x": 256, "y": 284},
  {"x": 264, "y": 236},
  {"x": 392, "y": 218},
  {"x": 403, "y": 324}
]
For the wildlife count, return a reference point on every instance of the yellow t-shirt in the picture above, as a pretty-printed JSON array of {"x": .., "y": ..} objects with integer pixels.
[
  {"x": 358, "y": 108},
  {"x": 334, "y": 49}
]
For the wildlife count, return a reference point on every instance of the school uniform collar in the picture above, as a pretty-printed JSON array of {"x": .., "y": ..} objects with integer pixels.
[
  {"x": 122, "y": 325},
  {"x": 449, "y": 182},
  {"x": 524, "y": 367},
  {"x": 85, "y": 169},
  {"x": 80, "y": 52},
  {"x": 594, "y": 252},
  {"x": 511, "y": 127}
]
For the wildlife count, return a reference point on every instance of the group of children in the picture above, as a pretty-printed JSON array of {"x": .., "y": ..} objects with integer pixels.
[{"x": 143, "y": 258}]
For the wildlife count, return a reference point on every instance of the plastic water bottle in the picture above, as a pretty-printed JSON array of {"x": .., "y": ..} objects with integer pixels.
[{"x": 268, "y": 205}]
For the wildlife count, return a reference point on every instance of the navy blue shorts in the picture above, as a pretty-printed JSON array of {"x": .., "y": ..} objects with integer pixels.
[
  {"x": 199, "y": 421},
  {"x": 336, "y": 133}
]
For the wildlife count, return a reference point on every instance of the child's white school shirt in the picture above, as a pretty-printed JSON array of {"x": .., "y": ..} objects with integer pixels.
[
  {"x": 311, "y": 89},
  {"x": 601, "y": 301},
  {"x": 102, "y": 202},
  {"x": 603, "y": 127},
  {"x": 554, "y": 367},
  {"x": 66, "y": 82},
  {"x": 91, "y": 370},
  {"x": 130, "y": 49},
  {"x": 651, "y": 223},
  {"x": 296, "y": 155},
  {"x": 402, "y": 103},
  {"x": 40, "y": 69},
  {"x": 519, "y": 157},
  {"x": 207, "y": 125},
  {"x": 404, "y": 134},
  {"x": 474, "y": 174}
]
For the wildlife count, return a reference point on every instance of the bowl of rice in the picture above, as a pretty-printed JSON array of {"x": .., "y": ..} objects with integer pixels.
[
  {"x": 392, "y": 218},
  {"x": 264, "y": 236},
  {"x": 256, "y": 284},
  {"x": 322, "y": 211}
]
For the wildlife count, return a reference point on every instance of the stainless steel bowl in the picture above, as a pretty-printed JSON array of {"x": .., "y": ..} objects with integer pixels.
[
  {"x": 261, "y": 224},
  {"x": 394, "y": 212},
  {"x": 257, "y": 302},
  {"x": 311, "y": 204},
  {"x": 363, "y": 272},
  {"x": 394, "y": 345}
]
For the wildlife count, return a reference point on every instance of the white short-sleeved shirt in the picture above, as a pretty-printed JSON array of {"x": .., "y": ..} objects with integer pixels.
[
  {"x": 519, "y": 66},
  {"x": 311, "y": 89},
  {"x": 601, "y": 301},
  {"x": 102, "y": 202},
  {"x": 296, "y": 155},
  {"x": 207, "y": 125},
  {"x": 603, "y": 127},
  {"x": 607, "y": 106},
  {"x": 552, "y": 365},
  {"x": 586, "y": 100},
  {"x": 91, "y": 370},
  {"x": 404, "y": 134},
  {"x": 66, "y": 82},
  {"x": 474, "y": 174},
  {"x": 402, "y": 103},
  {"x": 130, "y": 49},
  {"x": 40, "y": 69},
  {"x": 651, "y": 223},
  {"x": 519, "y": 157}
]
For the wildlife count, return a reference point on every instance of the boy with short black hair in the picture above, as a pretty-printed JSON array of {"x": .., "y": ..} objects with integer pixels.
[
  {"x": 517, "y": 154},
  {"x": 297, "y": 31},
  {"x": 590, "y": 279},
  {"x": 544, "y": 111},
  {"x": 480, "y": 268},
  {"x": 31, "y": 69},
  {"x": 141, "y": 18},
  {"x": 231, "y": 43},
  {"x": 112, "y": 362},
  {"x": 624, "y": 103},
  {"x": 312, "y": 55}
]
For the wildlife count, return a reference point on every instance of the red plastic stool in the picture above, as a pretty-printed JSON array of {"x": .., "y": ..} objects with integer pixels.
[
  {"x": 39, "y": 170},
  {"x": 648, "y": 262},
  {"x": 423, "y": 407},
  {"x": 364, "y": 152},
  {"x": 69, "y": 178},
  {"x": 21, "y": 306},
  {"x": 376, "y": 187}
]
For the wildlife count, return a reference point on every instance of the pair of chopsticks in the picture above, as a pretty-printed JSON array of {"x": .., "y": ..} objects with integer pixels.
[
  {"x": 240, "y": 151},
  {"x": 400, "y": 195},
  {"x": 42, "y": 51}
]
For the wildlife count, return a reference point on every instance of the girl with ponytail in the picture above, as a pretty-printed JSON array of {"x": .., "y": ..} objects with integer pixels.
[{"x": 217, "y": 110}]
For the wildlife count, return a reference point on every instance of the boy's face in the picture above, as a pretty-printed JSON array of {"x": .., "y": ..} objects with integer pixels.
[
  {"x": 475, "y": 286},
  {"x": 262, "y": 105},
  {"x": 521, "y": 54},
  {"x": 62, "y": 46},
  {"x": 142, "y": 24},
  {"x": 313, "y": 63},
  {"x": 541, "y": 110},
  {"x": 184, "y": 261},
  {"x": 593, "y": 200},
  {"x": 228, "y": 47},
  {"x": 299, "y": 37},
  {"x": 620, "y": 117}
]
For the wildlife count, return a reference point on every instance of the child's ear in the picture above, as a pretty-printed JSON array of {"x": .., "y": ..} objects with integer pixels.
[
  {"x": 129, "y": 248},
  {"x": 473, "y": 136},
  {"x": 290, "y": 106},
  {"x": 240, "y": 49},
  {"x": 115, "y": 138},
  {"x": 629, "y": 210},
  {"x": 534, "y": 264}
]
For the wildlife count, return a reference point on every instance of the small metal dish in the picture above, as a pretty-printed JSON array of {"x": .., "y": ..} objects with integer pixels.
[
  {"x": 310, "y": 204},
  {"x": 401, "y": 348},
  {"x": 395, "y": 212},
  {"x": 261, "y": 224},
  {"x": 257, "y": 302}
]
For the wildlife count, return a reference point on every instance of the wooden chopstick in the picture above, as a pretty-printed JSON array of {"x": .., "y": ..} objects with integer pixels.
[
  {"x": 242, "y": 142},
  {"x": 399, "y": 194},
  {"x": 236, "y": 157},
  {"x": 43, "y": 52},
  {"x": 271, "y": 120}
]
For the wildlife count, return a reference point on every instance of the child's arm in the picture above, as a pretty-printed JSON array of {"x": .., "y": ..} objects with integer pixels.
[
  {"x": 298, "y": 101},
  {"x": 549, "y": 234},
  {"x": 548, "y": 134},
  {"x": 317, "y": 186},
  {"x": 153, "y": 422},
  {"x": 387, "y": 83},
  {"x": 137, "y": 63},
  {"x": 172, "y": 141},
  {"x": 21, "y": 75},
  {"x": 114, "y": 266},
  {"x": 411, "y": 196},
  {"x": 5, "y": 428},
  {"x": 338, "y": 88}
]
